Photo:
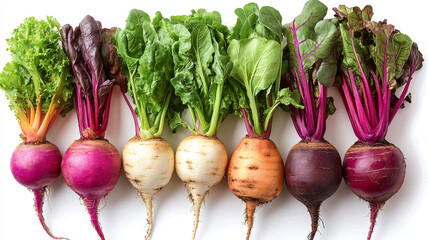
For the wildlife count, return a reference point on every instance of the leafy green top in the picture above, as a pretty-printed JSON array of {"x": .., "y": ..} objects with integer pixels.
[
  {"x": 256, "y": 46},
  {"x": 37, "y": 81},
  {"x": 146, "y": 48},
  {"x": 201, "y": 69}
]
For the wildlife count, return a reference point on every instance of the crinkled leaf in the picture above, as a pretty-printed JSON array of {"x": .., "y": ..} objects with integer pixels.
[{"x": 39, "y": 69}]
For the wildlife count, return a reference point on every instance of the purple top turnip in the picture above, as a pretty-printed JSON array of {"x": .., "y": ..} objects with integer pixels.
[{"x": 377, "y": 59}]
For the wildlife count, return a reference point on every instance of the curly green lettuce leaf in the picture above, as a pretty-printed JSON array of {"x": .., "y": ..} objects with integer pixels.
[{"x": 37, "y": 81}]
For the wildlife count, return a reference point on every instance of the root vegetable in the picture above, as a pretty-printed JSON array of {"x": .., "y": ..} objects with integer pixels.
[
  {"x": 375, "y": 172},
  {"x": 148, "y": 165},
  {"x": 92, "y": 166},
  {"x": 313, "y": 166},
  {"x": 38, "y": 84},
  {"x": 36, "y": 166},
  {"x": 255, "y": 174},
  {"x": 200, "y": 163},
  {"x": 313, "y": 174},
  {"x": 374, "y": 169}
]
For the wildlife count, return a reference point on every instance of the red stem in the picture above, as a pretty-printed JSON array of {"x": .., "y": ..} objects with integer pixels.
[
  {"x": 136, "y": 122},
  {"x": 248, "y": 125},
  {"x": 349, "y": 103},
  {"x": 401, "y": 99},
  {"x": 358, "y": 103},
  {"x": 321, "y": 120}
]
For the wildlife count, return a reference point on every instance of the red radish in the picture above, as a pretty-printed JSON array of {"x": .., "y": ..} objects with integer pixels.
[
  {"x": 374, "y": 67},
  {"x": 313, "y": 166},
  {"x": 38, "y": 84},
  {"x": 92, "y": 166}
]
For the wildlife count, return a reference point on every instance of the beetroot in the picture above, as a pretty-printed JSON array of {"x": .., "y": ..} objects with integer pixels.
[
  {"x": 35, "y": 166},
  {"x": 313, "y": 166},
  {"x": 374, "y": 172},
  {"x": 92, "y": 168},
  {"x": 313, "y": 174},
  {"x": 373, "y": 69}
]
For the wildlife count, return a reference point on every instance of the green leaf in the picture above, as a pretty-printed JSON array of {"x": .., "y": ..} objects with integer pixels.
[
  {"x": 256, "y": 63},
  {"x": 391, "y": 49},
  {"x": 202, "y": 49},
  {"x": 39, "y": 69},
  {"x": 286, "y": 97},
  {"x": 272, "y": 19}
]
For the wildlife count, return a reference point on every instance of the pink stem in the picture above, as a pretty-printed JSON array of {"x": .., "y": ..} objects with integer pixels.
[
  {"x": 401, "y": 99},
  {"x": 103, "y": 127},
  {"x": 360, "y": 111},
  {"x": 379, "y": 100},
  {"x": 136, "y": 122},
  {"x": 349, "y": 102},
  {"x": 248, "y": 125},
  {"x": 321, "y": 120},
  {"x": 92, "y": 123},
  {"x": 370, "y": 102}
]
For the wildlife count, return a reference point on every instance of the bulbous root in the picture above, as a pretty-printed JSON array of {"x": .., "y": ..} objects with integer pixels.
[
  {"x": 91, "y": 205},
  {"x": 148, "y": 203},
  {"x": 250, "y": 210},
  {"x": 197, "y": 201},
  {"x": 314, "y": 210},
  {"x": 375, "y": 207},
  {"x": 39, "y": 194}
]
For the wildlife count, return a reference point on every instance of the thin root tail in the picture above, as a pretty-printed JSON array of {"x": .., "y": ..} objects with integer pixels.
[
  {"x": 39, "y": 194},
  {"x": 197, "y": 202},
  {"x": 314, "y": 210},
  {"x": 91, "y": 205},
  {"x": 375, "y": 207},
  {"x": 250, "y": 210},
  {"x": 148, "y": 203}
]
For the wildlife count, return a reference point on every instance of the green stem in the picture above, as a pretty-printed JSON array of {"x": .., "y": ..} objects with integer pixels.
[
  {"x": 194, "y": 119},
  {"x": 163, "y": 113},
  {"x": 270, "y": 114},
  {"x": 216, "y": 109},
  {"x": 255, "y": 112},
  {"x": 133, "y": 88},
  {"x": 202, "y": 119}
]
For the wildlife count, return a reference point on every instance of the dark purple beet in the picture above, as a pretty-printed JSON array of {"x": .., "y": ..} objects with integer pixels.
[
  {"x": 374, "y": 172},
  {"x": 313, "y": 173},
  {"x": 35, "y": 166},
  {"x": 92, "y": 168}
]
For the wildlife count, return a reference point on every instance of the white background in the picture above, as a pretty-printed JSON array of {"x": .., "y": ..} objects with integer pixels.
[{"x": 123, "y": 215}]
